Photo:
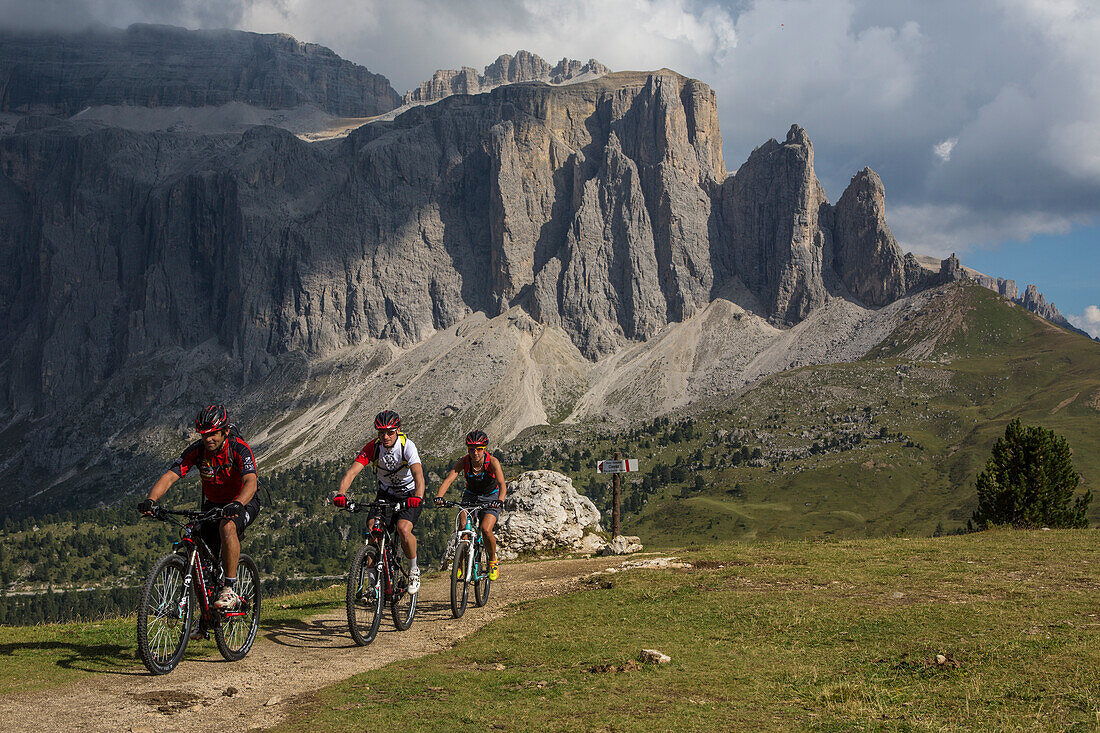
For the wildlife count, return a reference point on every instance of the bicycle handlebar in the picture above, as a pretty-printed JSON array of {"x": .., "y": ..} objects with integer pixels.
[
  {"x": 460, "y": 505},
  {"x": 354, "y": 506},
  {"x": 161, "y": 513}
]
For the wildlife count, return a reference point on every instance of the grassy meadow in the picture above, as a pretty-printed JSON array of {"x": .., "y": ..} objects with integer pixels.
[{"x": 990, "y": 631}]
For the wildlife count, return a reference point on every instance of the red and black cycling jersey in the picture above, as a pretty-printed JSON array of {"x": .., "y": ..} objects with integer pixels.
[
  {"x": 481, "y": 481},
  {"x": 221, "y": 473}
]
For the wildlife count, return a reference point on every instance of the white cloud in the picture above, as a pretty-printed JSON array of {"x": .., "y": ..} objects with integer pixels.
[
  {"x": 1089, "y": 321},
  {"x": 939, "y": 230},
  {"x": 942, "y": 150}
]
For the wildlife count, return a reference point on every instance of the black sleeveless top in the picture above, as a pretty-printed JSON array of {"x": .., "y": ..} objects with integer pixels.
[{"x": 482, "y": 481}]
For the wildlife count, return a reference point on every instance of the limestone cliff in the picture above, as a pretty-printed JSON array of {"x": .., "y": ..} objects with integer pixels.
[{"x": 164, "y": 66}]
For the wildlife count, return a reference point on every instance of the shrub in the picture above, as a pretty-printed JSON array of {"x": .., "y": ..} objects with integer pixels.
[{"x": 1029, "y": 481}]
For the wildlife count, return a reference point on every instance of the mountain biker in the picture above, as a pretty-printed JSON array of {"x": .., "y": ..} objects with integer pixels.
[
  {"x": 228, "y": 472},
  {"x": 484, "y": 486},
  {"x": 400, "y": 478}
]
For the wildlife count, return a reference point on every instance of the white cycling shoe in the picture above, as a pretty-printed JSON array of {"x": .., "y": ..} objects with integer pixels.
[
  {"x": 228, "y": 600},
  {"x": 414, "y": 580}
]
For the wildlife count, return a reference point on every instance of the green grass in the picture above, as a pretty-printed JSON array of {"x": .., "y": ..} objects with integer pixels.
[
  {"x": 46, "y": 656},
  {"x": 834, "y": 635}
]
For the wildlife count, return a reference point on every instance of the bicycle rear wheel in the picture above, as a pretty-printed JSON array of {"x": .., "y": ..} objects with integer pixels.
[
  {"x": 403, "y": 605},
  {"x": 164, "y": 615},
  {"x": 235, "y": 631},
  {"x": 364, "y": 598},
  {"x": 482, "y": 584},
  {"x": 460, "y": 581}
]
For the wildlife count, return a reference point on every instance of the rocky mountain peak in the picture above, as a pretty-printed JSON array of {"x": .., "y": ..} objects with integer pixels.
[
  {"x": 506, "y": 69},
  {"x": 797, "y": 136}
]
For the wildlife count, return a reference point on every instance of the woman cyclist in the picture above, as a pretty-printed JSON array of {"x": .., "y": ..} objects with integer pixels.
[{"x": 484, "y": 486}]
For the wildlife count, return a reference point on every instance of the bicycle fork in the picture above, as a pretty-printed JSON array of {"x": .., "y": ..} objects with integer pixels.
[{"x": 185, "y": 597}]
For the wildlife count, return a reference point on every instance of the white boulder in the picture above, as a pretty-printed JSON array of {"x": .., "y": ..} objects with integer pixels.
[{"x": 544, "y": 512}]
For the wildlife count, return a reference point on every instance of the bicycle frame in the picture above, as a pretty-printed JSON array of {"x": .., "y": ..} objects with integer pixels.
[
  {"x": 382, "y": 536},
  {"x": 469, "y": 532},
  {"x": 192, "y": 545}
]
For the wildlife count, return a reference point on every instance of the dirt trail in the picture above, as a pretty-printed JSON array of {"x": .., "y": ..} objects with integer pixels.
[{"x": 286, "y": 661}]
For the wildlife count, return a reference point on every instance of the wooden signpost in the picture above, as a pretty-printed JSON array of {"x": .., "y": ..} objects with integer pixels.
[{"x": 615, "y": 467}]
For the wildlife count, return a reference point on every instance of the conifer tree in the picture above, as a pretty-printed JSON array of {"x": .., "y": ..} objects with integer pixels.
[{"x": 1029, "y": 481}]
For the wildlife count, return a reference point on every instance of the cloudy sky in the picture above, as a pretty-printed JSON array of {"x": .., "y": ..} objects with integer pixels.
[{"x": 983, "y": 118}]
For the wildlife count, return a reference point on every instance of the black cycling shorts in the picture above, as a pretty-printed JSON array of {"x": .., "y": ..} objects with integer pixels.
[
  {"x": 211, "y": 531},
  {"x": 387, "y": 514},
  {"x": 482, "y": 500}
]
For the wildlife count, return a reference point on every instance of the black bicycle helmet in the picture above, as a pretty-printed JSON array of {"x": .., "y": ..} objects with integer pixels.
[
  {"x": 211, "y": 419},
  {"x": 387, "y": 420},
  {"x": 476, "y": 438}
]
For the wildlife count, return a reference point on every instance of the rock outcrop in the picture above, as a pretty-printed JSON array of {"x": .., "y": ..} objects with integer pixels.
[
  {"x": 866, "y": 257},
  {"x": 781, "y": 238},
  {"x": 544, "y": 512},
  {"x": 507, "y": 69},
  {"x": 164, "y": 66}
]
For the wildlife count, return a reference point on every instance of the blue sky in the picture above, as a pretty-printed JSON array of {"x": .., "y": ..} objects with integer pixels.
[
  {"x": 1066, "y": 268},
  {"x": 981, "y": 117}
]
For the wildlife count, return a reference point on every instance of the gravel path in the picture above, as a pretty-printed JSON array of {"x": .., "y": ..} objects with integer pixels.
[{"x": 287, "y": 661}]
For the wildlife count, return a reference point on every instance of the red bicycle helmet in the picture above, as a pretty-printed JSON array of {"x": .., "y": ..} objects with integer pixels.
[
  {"x": 387, "y": 420},
  {"x": 211, "y": 419},
  {"x": 476, "y": 438}
]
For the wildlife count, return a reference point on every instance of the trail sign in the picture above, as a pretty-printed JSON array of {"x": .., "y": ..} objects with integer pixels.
[{"x": 619, "y": 465}]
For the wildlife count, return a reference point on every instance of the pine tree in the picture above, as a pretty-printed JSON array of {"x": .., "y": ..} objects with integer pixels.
[{"x": 1029, "y": 481}]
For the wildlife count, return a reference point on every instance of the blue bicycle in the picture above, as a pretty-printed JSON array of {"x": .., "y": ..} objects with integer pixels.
[{"x": 471, "y": 558}]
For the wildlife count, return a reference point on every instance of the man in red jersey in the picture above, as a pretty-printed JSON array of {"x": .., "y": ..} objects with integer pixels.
[{"x": 228, "y": 472}]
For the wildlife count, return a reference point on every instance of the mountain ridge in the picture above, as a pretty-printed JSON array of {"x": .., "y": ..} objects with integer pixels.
[{"x": 586, "y": 227}]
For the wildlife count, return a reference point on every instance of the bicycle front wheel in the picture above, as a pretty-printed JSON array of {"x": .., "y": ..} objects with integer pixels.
[
  {"x": 482, "y": 584},
  {"x": 364, "y": 597},
  {"x": 460, "y": 581},
  {"x": 236, "y": 631},
  {"x": 403, "y": 606},
  {"x": 164, "y": 615}
]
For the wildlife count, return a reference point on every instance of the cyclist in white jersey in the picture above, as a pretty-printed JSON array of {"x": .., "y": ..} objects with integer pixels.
[{"x": 400, "y": 478}]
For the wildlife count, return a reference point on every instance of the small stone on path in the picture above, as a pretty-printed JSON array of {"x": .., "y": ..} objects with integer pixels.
[
  {"x": 274, "y": 700},
  {"x": 230, "y": 692}
]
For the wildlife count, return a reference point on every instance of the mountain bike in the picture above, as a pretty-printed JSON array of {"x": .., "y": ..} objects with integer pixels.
[
  {"x": 471, "y": 559},
  {"x": 188, "y": 579},
  {"x": 378, "y": 574}
]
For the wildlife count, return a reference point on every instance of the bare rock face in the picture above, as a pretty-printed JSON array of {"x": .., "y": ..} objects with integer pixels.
[
  {"x": 544, "y": 512},
  {"x": 866, "y": 257},
  {"x": 507, "y": 69},
  {"x": 164, "y": 66},
  {"x": 1034, "y": 301},
  {"x": 774, "y": 241},
  {"x": 123, "y": 243}
]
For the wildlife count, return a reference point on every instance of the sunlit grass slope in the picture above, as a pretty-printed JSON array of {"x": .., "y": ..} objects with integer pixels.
[{"x": 837, "y": 635}]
